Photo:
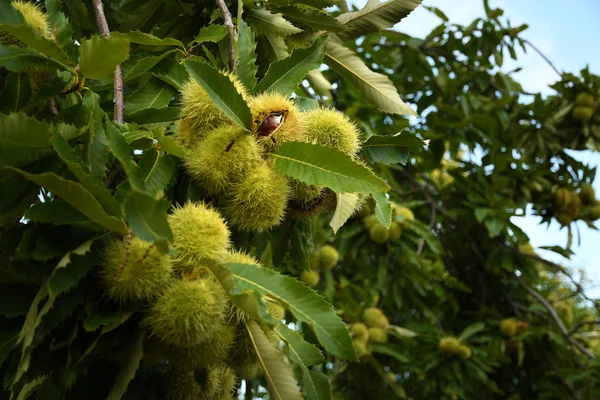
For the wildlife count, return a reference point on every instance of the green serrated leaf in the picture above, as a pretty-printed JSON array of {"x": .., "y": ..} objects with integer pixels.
[
  {"x": 222, "y": 92},
  {"x": 20, "y": 59},
  {"x": 471, "y": 330},
  {"x": 300, "y": 351},
  {"x": 279, "y": 375},
  {"x": 154, "y": 94},
  {"x": 147, "y": 217},
  {"x": 153, "y": 118},
  {"x": 383, "y": 209},
  {"x": 345, "y": 206},
  {"x": 377, "y": 88},
  {"x": 246, "y": 69},
  {"x": 22, "y": 130},
  {"x": 33, "y": 40},
  {"x": 82, "y": 173},
  {"x": 303, "y": 302},
  {"x": 58, "y": 212},
  {"x": 266, "y": 22},
  {"x": 211, "y": 33},
  {"x": 61, "y": 28},
  {"x": 376, "y": 16},
  {"x": 250, "y": 302},
  {"x": 315, "y": 385},
  {"x": 76, "y": 195},
  {"x": 139, "y": 66},
  {"x": 391, "y": 149},
  {"x": 327, "y": 166},
  {"x": 120, "y": 149},
  {"x": 69, "y": 270},
  {"x": 99, "y": 56},
  {"x": 285, "y": 75},
  {"x": 170, "y": 145},
  {"x": 158, "y": 170},
  {"x": 311, "y": 17},
  {"x": 129, "y": 367},
  {"x": 146, "y": 39}
]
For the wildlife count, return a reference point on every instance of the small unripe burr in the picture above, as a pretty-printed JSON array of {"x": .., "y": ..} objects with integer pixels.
[
  {"x": 134, "y": 270},
  {"x": 188, "y": 312},
  {"x": 258, "y": 201},
  {"x": 221, "y": 157},
  {"x": 199, "y": 232}
]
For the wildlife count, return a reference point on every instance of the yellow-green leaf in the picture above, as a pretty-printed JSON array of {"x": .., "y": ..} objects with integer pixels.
[
  {"x": 278, "y": 373},
  {"x": 377, "y": 88}
]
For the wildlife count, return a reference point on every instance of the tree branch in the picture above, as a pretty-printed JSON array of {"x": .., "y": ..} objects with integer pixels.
[
  {"x": 583, "y": 323},
  {"x": 527, "y": 42},
  {"x": 228, "y": 23},
  {"x": 560, "y": 268},
  {"x": 554, "y": 316},
  {"x": 118, "y": 81}
]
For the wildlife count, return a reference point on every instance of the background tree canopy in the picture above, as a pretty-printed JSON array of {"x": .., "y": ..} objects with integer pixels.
[{"x": 285, "y": 199}]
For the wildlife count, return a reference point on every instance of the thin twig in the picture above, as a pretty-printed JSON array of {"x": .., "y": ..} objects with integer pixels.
[
  {"x": 527, "y": 42},
  {"x": 118, "y": 96},
  {"x": 228, "y": 23},
  {"x": 118, "y": 81},
  {"x": 583, "y": 323},
  {"x": 554, "y": 316},
  {"x": 580, "y": 289},
  {"x": 52, "y": 107}
]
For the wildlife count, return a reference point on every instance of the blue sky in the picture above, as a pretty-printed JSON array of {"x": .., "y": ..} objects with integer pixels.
[{"x": 567, "y": 33}]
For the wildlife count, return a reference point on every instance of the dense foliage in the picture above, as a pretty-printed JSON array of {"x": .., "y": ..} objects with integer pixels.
[{"x": 185, "y": 193}]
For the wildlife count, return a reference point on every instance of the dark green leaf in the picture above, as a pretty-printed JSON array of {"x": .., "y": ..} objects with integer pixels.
[
  {"x": 129, "y": 367},
  {"x": 303, "y": 302},
  {"x": 82, "y": 173},
  {"x": 383, "y": 209},
  {"x": 135, "y": 68},
  {"x": 376, "y": 16},
  {"x": 24, "y": 131},
  {"x": 20, "y": 59},
  {"x": 158, "y": 170},
  {"x": 61, "y": 29},
  {"x": 247, "y": 69},
  {"x": 120, "y": 149},
  {"x": 146, "y": 39},
  {"x": 154, "y": 94},
  {"x": 211, "y": 33},
  {"x": 313, "y": 18},
  {"x": 76, "y": 195},
  {"x": 222, "y": 92},
  {"x": 285, "y": 75},
  {"x": 323, "y": 165},
  {"x": 377, "y": 88},
  {"x": 58, "y": 212},
  {"x": 265, "y": 22},
  {"x": 279, "y": 375},
  {"x": 147, "y": 217},
  {"x": 391, "y": 149}
]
